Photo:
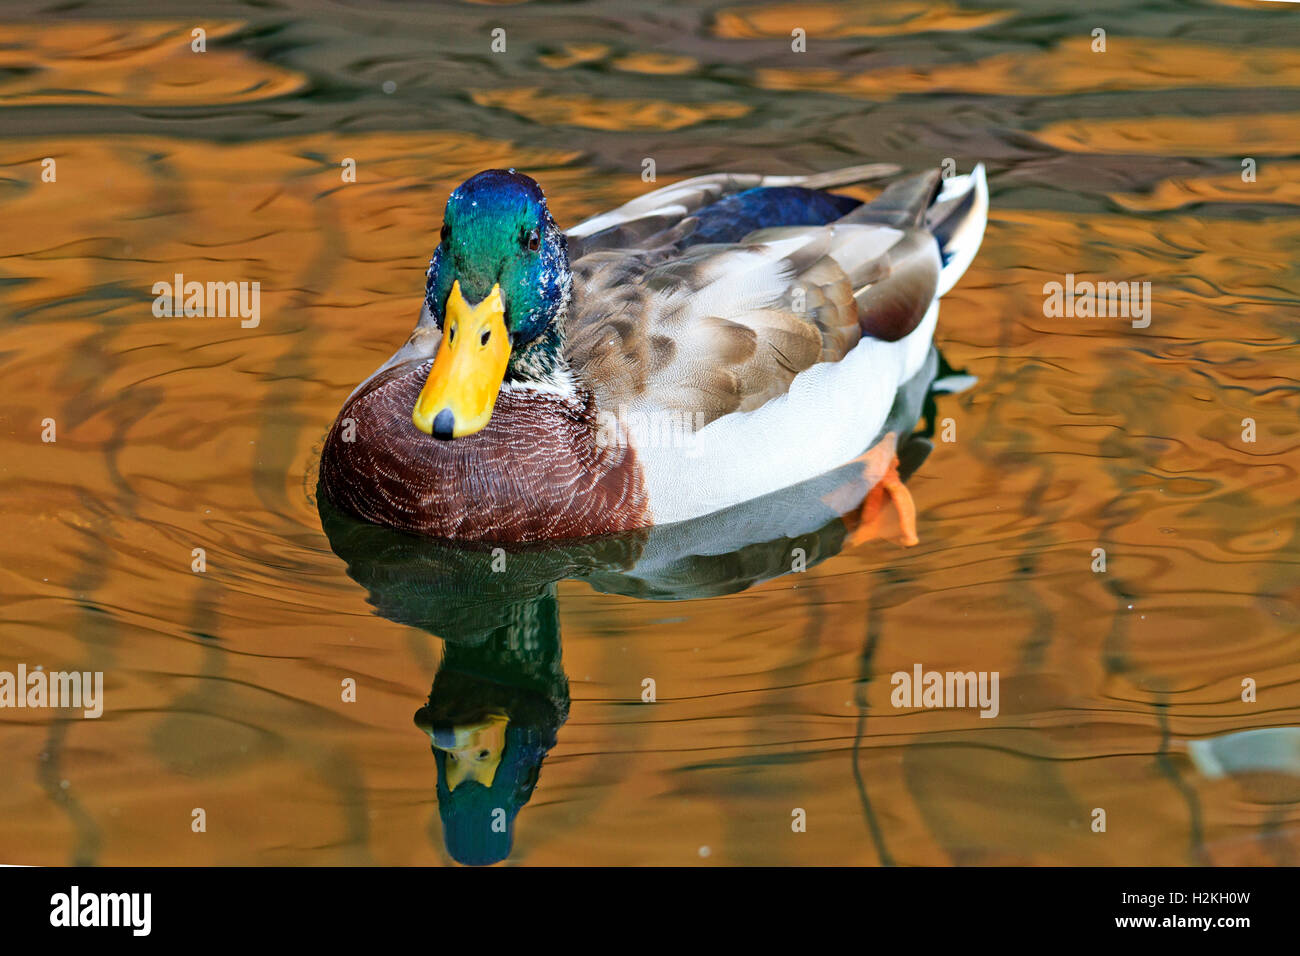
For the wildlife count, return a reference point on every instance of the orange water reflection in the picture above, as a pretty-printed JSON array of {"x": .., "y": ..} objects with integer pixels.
[{"x": 223, "y": 688}]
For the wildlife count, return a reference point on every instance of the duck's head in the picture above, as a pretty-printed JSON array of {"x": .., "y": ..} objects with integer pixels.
[{"x": 498, "y": 287}]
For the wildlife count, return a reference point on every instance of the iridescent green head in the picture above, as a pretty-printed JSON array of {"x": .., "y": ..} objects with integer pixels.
[{"x": 498, "y": 287}]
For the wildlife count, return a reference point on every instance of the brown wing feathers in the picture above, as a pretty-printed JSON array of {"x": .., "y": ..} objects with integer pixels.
[{"x": 718, "y": 329}]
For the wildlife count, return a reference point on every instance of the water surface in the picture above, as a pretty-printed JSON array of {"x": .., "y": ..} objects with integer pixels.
[{"x": 223, "y": 689}]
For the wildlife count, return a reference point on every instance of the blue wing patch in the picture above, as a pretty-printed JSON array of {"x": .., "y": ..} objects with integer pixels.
[{"x": 733, "y": 218}]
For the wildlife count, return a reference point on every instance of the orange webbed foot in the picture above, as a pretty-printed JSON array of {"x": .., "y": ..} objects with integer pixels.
[{"x": 880, "y": 468}]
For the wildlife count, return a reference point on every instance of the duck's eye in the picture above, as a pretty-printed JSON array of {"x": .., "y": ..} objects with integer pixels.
[
  {"x": 446, "y": 231},
  {"x": 483, "y": 339},
  {"x": 532, "y": 240}
]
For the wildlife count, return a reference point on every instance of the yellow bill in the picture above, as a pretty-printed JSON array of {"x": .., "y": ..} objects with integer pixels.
[
  {"x": 473, "y": 750},
  {"x": 458, "y": 397}
]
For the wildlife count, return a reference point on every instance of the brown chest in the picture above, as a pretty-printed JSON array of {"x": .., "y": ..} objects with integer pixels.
[{"x": 535, "y": 472}]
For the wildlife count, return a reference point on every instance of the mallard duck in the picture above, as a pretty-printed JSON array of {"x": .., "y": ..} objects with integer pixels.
[{"x": 703, "y": 345}]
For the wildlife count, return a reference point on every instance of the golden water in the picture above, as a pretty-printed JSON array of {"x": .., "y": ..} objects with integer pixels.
[{"x": 223, "y": 688}]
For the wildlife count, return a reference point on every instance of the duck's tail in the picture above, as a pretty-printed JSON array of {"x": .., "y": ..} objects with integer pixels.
[
  {"x": 953, "y": 210},
  {"x": 957, "y": 218}
]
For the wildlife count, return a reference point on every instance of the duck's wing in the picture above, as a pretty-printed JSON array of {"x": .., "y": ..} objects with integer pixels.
[
  {"x": 644, "y": 221},
  {"x": 714, "y": 329},
  {"x": 793, "y": 339}
]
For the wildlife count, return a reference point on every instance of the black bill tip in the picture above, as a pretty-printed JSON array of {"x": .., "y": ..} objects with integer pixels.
[{"x": 443, "y": 424}]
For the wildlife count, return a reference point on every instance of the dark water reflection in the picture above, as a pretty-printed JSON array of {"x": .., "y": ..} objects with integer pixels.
[{"x": 1121, "y": 691}]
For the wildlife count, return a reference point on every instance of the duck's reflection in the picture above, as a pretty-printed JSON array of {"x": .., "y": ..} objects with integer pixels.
[
  {"x": 500, "y": 695},
  {"x": 492, "y": 716}
]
